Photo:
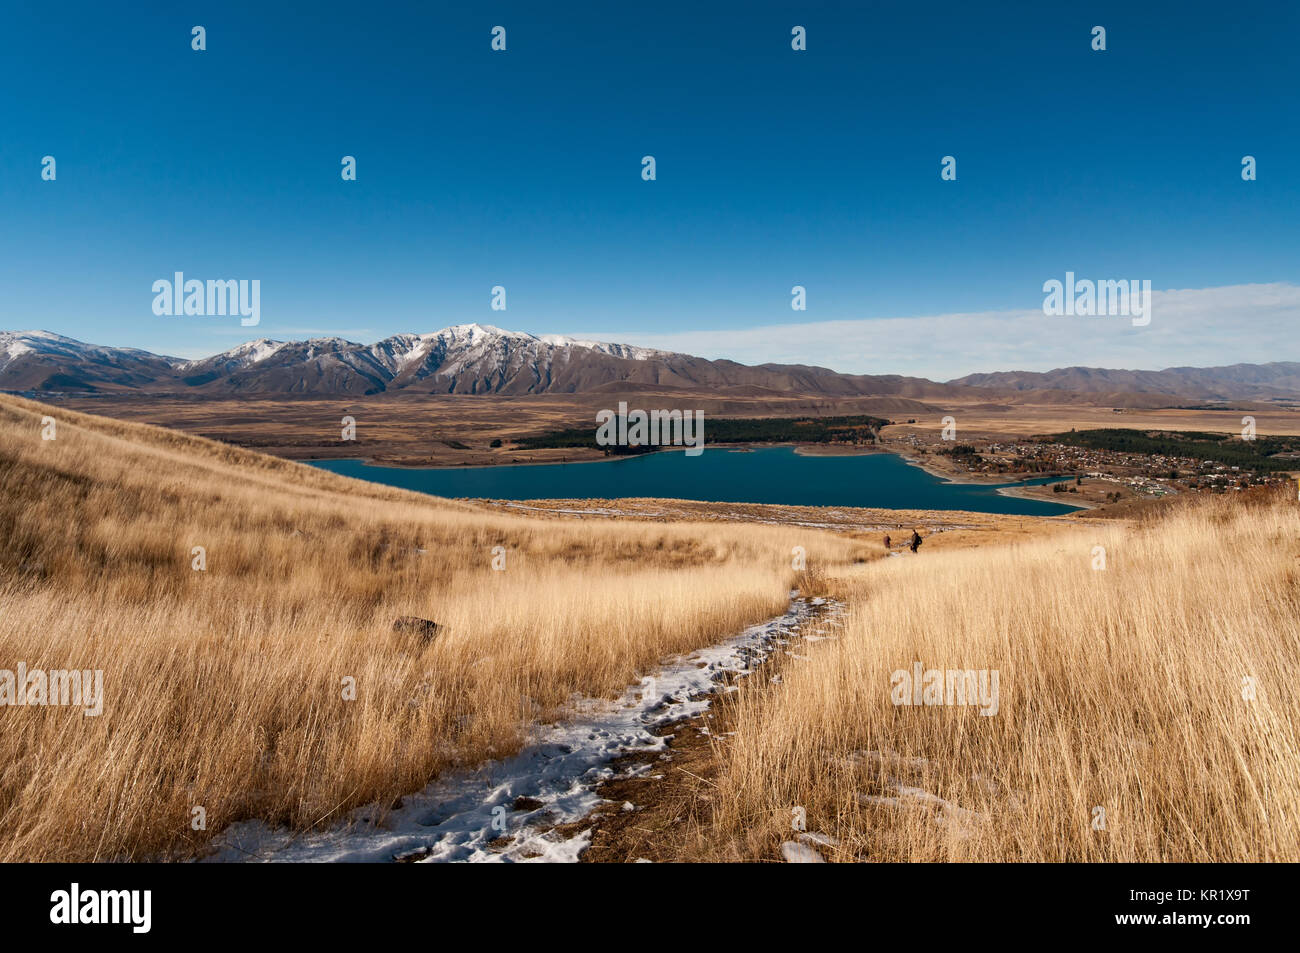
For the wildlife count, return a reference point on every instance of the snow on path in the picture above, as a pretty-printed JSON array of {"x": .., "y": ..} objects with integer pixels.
[{"x": 456, "y": 817}]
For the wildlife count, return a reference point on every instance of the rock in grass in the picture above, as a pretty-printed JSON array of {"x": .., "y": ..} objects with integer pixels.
[
  {"x": 818, "y": 839},
  {"x": 426, "y": 629}
]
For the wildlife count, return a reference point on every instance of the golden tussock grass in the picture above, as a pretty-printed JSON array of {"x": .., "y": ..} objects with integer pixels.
[
  {"x": 223, "y": 689},
  {"x": 1119, "y": 689}
]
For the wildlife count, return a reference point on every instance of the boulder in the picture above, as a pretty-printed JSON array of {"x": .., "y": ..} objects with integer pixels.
[{"x": 426, "y": 629}]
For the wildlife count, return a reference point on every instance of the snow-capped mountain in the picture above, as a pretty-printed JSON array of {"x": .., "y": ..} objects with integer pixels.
[
  {"x": 41, "y": 360},
  {"x": 478, "y": 359},
  {"x": 465, "y": 359}
]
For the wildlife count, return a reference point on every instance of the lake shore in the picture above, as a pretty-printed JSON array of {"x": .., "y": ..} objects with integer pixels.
[
  {"x": 953, "y": 476},
  {"x": 582, "y": 455},
  {"x": 802, "y": 450},
  {"x": 1027, "y": 493},
  {"x": 771, "y": 474}
]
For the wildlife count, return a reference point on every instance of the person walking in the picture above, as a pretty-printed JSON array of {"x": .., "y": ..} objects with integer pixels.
[
  {"x": 916, "y": 541},
  {"x": 888, "y": 541}
]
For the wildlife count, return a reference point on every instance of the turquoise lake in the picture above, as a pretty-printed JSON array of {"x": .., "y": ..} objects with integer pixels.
[{"x": 767, "y": 475}]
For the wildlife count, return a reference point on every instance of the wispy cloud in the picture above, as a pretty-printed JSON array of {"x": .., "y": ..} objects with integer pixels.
[{"x": 1196, "y": 327}]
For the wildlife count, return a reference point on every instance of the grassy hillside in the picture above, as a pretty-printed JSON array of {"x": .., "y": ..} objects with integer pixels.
[
  {"x": 1120, "y": 688},
  {"x": 223, "y": 687}
]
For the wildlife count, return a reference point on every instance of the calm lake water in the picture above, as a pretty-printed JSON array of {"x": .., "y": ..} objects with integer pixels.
[{"x": 767, "y": 475}]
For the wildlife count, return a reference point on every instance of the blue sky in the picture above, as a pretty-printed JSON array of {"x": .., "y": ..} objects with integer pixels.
[{"x": 775, "y": 168}]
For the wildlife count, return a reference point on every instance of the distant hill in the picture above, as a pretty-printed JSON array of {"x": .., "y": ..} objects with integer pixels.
[{"x": 1233, "y": 382}]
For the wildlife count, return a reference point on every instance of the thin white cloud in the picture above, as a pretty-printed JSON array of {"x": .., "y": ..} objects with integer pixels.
[{"x": 1198, "y": 327}]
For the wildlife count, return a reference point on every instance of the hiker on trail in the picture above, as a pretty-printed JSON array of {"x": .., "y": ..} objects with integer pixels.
[
  {"x": 887, "y": 541},
  {"x": 916, "y": 541}
]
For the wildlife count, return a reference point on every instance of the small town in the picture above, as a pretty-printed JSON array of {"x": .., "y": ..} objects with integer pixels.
[{"x": 1133, "y": 474}]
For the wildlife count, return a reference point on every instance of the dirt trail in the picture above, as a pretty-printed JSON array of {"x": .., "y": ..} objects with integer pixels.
[
  {"x": 660, "y": 805},
  {"x": 539, "y": 804}
]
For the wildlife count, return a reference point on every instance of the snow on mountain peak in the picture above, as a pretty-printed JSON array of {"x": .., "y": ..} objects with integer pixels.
[
  {"x": 259, "y": 350},
  {"x": 14, "y": 344},
  {"x": 486, "y": 334},
  {"x": 475, "y": 357},
  {"x": 239, "y": 356}
]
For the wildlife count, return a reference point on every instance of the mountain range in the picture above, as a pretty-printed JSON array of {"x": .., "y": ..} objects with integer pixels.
[{"x": 478, "y": 359}]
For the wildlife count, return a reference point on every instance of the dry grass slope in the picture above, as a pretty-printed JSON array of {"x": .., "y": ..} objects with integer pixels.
[
  {"x": 1120, "y": 689},
  {"x": 223, "y": 687}
]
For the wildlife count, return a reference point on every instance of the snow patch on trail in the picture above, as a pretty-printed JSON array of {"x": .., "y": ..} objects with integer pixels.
[{"x": 505, "y": 811}]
